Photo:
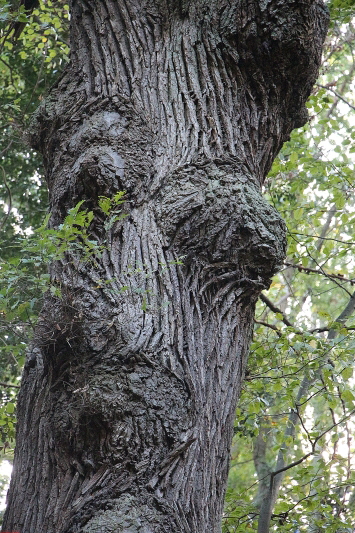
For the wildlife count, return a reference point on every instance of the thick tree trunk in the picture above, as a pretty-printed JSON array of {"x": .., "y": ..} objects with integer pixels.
[{"x": 127, "y": 402}]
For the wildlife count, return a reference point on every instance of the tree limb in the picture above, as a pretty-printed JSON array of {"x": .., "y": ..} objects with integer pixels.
[{"x": 309, "y": 270}]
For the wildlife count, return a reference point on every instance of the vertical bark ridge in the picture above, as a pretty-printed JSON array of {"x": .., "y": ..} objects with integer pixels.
[{"x": 194, "y": 91}]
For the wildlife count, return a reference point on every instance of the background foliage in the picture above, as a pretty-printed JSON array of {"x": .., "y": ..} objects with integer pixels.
[
  {"x": 297, "y": 408},
  {"x": 28, "y": 67}
]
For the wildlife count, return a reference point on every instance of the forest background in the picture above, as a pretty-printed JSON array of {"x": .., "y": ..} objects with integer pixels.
[{"x": 295, "y": 419}]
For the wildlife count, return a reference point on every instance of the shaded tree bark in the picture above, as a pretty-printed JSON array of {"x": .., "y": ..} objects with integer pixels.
[{"x": 126, "y": 407}]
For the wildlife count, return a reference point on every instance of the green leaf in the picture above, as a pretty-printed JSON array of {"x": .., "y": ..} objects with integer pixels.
[
  {"x": 347, "y": 395},
  {"x": 347, "y": 373},
  {"x": 10, "y": 408}
]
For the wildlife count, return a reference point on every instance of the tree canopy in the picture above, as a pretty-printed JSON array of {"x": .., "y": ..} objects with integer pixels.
[{"x": 295, "y": 418}]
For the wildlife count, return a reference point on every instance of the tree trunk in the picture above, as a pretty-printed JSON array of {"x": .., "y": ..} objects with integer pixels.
[{"x": 126, "y": 410}]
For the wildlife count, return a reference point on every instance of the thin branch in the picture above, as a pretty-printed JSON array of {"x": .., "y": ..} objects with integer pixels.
[
  {"x": 314, "y": 330},
  {"x": 271, "y": 326},
  {"x": 275, "y": 309},
  {"x": 336, "y": 94},
  {"x": 2, "y": 384},
  {"x": 323, "y": 238},
  {"x": 333, "y": 277},
  {"x": 309, "y": 270},
  {"x": 322, "y": 330},
  {"x": 295, "y": 463},
  {"x": 3, "y": 222},
  {"x": 302, "y": 423}
]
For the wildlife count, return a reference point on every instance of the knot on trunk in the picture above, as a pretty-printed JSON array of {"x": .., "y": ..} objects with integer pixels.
[{"x": 216, "y": 214}]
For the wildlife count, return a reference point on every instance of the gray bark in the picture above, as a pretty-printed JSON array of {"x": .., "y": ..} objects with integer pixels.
[{"x": 126, "y": 415}]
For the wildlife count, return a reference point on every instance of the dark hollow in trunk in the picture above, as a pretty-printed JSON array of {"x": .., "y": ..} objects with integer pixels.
[{"x": 126, "y": 410}]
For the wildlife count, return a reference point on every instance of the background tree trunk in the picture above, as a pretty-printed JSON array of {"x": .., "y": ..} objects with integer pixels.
[{"x": 127, "y": 402}]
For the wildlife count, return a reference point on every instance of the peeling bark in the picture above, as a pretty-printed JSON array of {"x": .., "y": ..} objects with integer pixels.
[{"x": 126, "y": 410}]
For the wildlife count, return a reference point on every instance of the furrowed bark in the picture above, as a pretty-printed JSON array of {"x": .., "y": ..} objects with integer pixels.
[{"x": 127, "y": 402}]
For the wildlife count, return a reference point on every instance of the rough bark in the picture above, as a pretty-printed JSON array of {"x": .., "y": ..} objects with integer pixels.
[{"x": 126, "y": 414}]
